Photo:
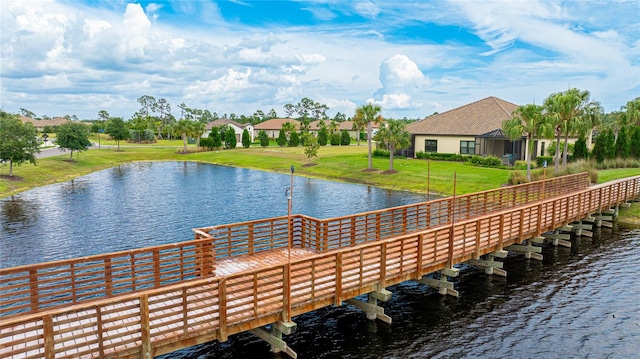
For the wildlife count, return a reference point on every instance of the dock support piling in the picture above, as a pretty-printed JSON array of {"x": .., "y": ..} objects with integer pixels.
[
  {"x": 529, "y": 250},
  {"x": 443, "y": 285},
  {"x": 274, "y": 338},
  {"x": 490, "y": 265},
  {"x": 370, "y": 307}
]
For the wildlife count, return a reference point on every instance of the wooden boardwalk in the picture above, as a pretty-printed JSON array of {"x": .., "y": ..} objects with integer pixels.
[{"x": 239, "y": 277}]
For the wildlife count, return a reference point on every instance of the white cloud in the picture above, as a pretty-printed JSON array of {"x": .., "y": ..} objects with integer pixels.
[
  {"x": 403, "y": 84},
  {"x": 367, "y": 9}
]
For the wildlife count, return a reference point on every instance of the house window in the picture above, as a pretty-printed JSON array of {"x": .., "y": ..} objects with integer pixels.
[
  {"x": 542, "y": 149},
  {"x": 467, "y": 147},
  {"x": 430, "y": 145}
]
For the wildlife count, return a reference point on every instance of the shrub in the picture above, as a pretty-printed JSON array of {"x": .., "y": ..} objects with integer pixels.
[
  {"x": 294, "y": 139},
  {"x": 488, "y": 161},
  {"x": 323, "y": 136},
  {"x": 517, "y": 177},
  {"x": 264, "y": 138},
  {"x": 345, "y": 139},
  {"x": 282, "y": 138},
  {"x": 634, "y": 150},
  {"x": 520, "y": 165},
  {"x": 246, "y": 139},
  {"x": 148, "y": 135},
  {"x": 380, "y": 153},
  {"x": 230, "y": 141},
  {"x": 541, "y": 159},
  {"x": 580, "y": 150},
  {"x": 216, "y": 137},
  {"x": 442, "y": 156},
  {"x": 207, "y": 142},
  {"x": 334, "y": 139}
]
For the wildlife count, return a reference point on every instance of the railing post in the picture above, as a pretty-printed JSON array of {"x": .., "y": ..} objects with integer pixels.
[
  {"x": 338, "y": 285},
  {"x": 49, "y": 342},
  {"x": 286, "y": 293},
  {"x": 419, "y": 259},
  {"x": 145, "y": 332},
  {"x": 383, "y": 264},
  {"x": 222, "y": 310},
  {"x": 250, "y": 239},
  {"x": 99, "y": 333}
]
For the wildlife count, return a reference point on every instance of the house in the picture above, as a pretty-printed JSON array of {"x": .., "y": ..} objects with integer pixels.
[
  {"x": 41, "y": 124},
  {"x": 273, "y": 126},
  {"x": 345, "y": 125},
  {"x": 237, "y": 127},
  {"x": 475, "y": 128}
]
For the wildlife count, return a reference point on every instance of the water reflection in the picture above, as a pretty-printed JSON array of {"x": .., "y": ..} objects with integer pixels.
[
  {"x": 142, "y": 204},
  {"x": 16, "y": 213}
]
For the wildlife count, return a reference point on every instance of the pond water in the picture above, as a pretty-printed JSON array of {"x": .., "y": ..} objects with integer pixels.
[
  {"x": 579, "y": 302},
  {"x": 144, "y": 204}
]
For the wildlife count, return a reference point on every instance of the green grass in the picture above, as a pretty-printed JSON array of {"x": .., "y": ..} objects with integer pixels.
[
  {"x": 616, "y": 173},
  {"x": 338, "y": 163}
]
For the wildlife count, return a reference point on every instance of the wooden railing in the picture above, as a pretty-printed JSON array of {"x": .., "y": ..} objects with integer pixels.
[
  {"x": 334, "y": 233},
  {"x": 35, "y": 287},
  {"x": 161, "y": 320},
  {"x": 32, "y": 288}
]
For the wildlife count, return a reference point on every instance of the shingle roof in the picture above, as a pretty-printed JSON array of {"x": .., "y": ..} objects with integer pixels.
[
  {"x": 223, "y": 122},
  {"x": 345, "y": 125},
  {"x": 275, "y": 124},
  {"x": 56, "y": 121},
  {"x": 473, "y": 119}
]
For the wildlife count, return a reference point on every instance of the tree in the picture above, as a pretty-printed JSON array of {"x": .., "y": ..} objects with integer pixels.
[
  {"x": 294, "y": 139},
  {"x": 610, "y": 145},
  {"x": 311, "y": 146},
  {"x": 26, "y": 113},
  {"x": 371, "y": 114},
  {"x": 246, "y": 139},
  {"x": 564, "y": 109},
  {"x": 230, "y": 141},
  {"x": 183, "y": 127},
  {"x": 599, "y": 151},
  {"x": 345, "y": 139},
  {"x": 622, "y": 144},
  {"x": 264, "y": 138},
  {"x": 117, "y": 130},
  {"x": 148, "y": 104},
  {"x": 527, "y": 121},
  {"x": 216, "y": 137},
  {"x": 197, "y": 129},
  {"x": 18, "y": 141},
  {"x": 282, "y": 138},
  {"x": 73, "y": 137},
  {"x": 580, "y": 150},
  {"x": 634, "y": 150},
  {"x": 323, "y": 134},
  {"x": 395, "y": 137},
  {"x": 334, "y": 139},
  {"x": 359, "y": 124}
]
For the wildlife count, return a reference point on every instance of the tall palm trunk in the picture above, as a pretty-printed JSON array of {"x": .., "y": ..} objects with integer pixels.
[
  {"x": 391, "y": 151},
  {"x": 557, "y": 155},
  {"x": 566, "y": 149},
  {"x": 369, "y": 142},
  {"x": 530, "y": 145},
  {"x": 184, "y": 142}
]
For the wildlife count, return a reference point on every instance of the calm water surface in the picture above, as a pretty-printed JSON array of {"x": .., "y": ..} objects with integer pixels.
[{"x": 582, "y": 302}]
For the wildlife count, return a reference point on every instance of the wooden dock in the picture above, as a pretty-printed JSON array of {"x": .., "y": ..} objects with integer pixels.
[{"x": 244, "y": 276}]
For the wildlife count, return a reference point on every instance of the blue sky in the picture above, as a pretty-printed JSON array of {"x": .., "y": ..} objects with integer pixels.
[{"x": 412, "y": 57}]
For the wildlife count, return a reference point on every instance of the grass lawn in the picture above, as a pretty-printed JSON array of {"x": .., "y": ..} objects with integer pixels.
[{"x": 339, "y": 163}]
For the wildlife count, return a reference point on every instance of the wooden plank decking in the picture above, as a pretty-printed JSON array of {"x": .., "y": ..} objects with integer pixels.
[{"x": 237, "y": 277}]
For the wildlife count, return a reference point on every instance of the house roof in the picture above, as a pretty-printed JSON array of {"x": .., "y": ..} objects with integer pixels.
[
  {"x": 345, "y": 125},
  {"x": 56, "y": 121},
  {"x": 275, "y": 124},
  {"x": 476, "y": 118},
  {"x": 223, "y": 122}
]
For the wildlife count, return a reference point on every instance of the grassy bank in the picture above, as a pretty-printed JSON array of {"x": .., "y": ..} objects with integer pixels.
[{"x": 333, "y": 163}]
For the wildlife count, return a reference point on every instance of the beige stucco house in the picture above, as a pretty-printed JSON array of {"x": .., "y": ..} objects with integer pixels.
[
  {"x": 237, "y": 127},
  {"x": 475, "y": 128},
  {"x": 273, "y": 126}
]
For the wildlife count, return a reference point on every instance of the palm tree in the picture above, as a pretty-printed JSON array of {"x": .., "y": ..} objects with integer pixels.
[
  {"x": 370, "y": 113},
  {"x": 197, "y": 129},
  {"x": 529, "y": 122},
  {"x": 183, "y": 127},
  {"x": 359, "y": 123},
  {"x": 395, "y": 137},
  {"x": 563, "y": 109}
]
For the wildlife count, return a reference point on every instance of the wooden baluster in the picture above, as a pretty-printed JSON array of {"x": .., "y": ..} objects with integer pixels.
[
  {"x": 222, "y": 310},
  {"x": 33, "y": 288},
  {"x": 107, "y": 277},
  {"x": 156, "y": 268},
  {"x": 100, "y": 331}
]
